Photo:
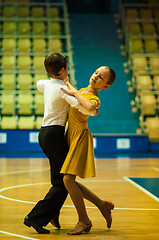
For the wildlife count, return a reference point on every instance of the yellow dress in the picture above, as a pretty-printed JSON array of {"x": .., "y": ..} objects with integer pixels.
[{"x": 80, "y": 158}]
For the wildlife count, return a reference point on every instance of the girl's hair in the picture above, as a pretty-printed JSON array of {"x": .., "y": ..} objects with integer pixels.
[
  {"x": 54, "y": 62},
  {"x": 112, "y": 75}
]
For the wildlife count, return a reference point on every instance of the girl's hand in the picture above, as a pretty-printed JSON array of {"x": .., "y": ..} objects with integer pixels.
[
  {"x": 66, "y": 80},
  {"x": 71, "y": 90}
]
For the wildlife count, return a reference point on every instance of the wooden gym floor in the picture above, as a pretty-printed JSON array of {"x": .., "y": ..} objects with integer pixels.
[{"x": 132, "y": 184}]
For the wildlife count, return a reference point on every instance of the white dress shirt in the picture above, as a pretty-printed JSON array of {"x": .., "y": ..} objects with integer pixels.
[{"x": 56, "y": 102}]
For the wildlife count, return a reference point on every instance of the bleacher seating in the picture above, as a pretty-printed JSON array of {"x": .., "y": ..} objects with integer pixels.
[
  {"x": 28, "y": 34},
  {"x": 24, "y": 81},
  {"x": 8, "y": 62},
  {"x": 38, "y": 122},
  {"x": 152, "y": 126},
  {"x": 26, "y": 122},
  {"x": 141, "y": 33},
  {"x": 25, "y": 104},
  {"x": 9, "y": 122},
  {"x": 24, "y": 45},
  {"x": 8, "y": 44},
  {"x": 143, "y": 83},
  {"x": 8, "y": 81},
  {"x": 7, "y": 104}
]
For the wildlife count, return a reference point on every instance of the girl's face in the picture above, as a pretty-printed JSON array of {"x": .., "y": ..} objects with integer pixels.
[{"x": 100, "y": 78}]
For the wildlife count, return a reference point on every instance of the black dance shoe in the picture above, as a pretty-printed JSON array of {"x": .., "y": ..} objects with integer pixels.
[
  {"x": 37, "y": 227},
  {"x": 55, "y": 221}
]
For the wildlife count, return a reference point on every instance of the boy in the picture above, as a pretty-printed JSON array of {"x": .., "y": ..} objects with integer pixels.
[{"x": 52, "y": 140}]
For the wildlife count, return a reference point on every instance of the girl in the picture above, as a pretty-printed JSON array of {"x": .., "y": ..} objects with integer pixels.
[{"x": 80, "y": 158}]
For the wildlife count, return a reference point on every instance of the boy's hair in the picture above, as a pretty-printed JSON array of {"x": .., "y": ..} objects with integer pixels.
[
  {"x": 112, "y": 75},
  {"x": 54, "y": 62}
]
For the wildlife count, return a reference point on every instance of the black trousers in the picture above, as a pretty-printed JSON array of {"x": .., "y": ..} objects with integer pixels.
[{"x": 53, "y": 143}]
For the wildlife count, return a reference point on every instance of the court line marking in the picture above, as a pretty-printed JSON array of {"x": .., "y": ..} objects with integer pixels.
[
  {"x": 24, "y": 171},
  {"x": 69, "y": 206},
  {"x": 141, "y": 188},
  {"x": 17, "y": 235}
]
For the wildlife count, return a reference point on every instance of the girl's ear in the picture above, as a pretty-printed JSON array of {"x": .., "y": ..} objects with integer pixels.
[{"x": 107, "y": 86}]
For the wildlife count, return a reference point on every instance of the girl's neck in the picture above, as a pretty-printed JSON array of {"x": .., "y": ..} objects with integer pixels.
[{"x": 91, "y": 90}]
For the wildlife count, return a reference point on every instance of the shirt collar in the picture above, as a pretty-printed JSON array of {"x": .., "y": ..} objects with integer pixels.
[{"x": 56, "y": 80}]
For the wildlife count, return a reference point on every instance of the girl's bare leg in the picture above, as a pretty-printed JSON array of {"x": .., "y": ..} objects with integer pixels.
[
  {"x": 76, "y": 196},
  {"x": 104, "y": 206}
]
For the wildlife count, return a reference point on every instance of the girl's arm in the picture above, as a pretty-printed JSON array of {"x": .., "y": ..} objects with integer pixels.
[{"x": 89, "y": 105}]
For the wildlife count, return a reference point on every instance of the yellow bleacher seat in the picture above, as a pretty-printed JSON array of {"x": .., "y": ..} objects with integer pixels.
[
  {"x": 143, "y": 83},
  {"x": 152, "y": 2},
  {"x": 38, "y": 28},
  {"x": 154, "y": 63},
  {"x": 39, "y": 76},
  {"x": 38, "y": 122},
  {"x": 136, "y": 46},
  {"x": 148, "y": 104},
  {"x": 131, "y": 14},
  {"x": 139, "y": 63},
  {"x": 55, "y": 45},
  {"x": 156, "y": 14},
  {"x": 24, "y": 62},
  {"x": 23, "y": 28},
  {"x": 26, "y": 122},
  {"x": 38, "y": 62},
  {"x": 25, "y": 1},
  {"x": 9, "y": 11},
  {"x": 39, "y": 45},
  {"x": 25, "y": 103},
  {"x": 8, "y": 45},
  {"x": 23, "y": 11},
  {"x": 55, "y": 28},
  {"x": 11, "y": 1},
  {"x": 37, "y": 12},
  {"x": 8, "y": 62},
  {"x": 149, "y": 29},
  {"x": 145, "y": 14},
  {"x": 156, "y": 82},
  {"x": 9, "y": 122},
  {"x": 24, "y": 45},
  {"x": 7, "y": 103},
  {"x": 8, "y": 81},
  {"x": 152, "y": 125},
  {"x": 151, "y": 46},
  {"x": 134, "y": 29},
  {"x": 9, "y": 28},
  {"x": 24, "y": 81},
  {"x": 157, "y": 25},
  {"x": 52, "y": 12},
  {"x": 39, "y": 104}
]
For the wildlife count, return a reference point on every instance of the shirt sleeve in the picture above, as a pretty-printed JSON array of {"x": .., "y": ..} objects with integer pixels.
[
  {"x": 68, "y": 98},
  {"x": 96, "y": 100},
  {"x": 73, "y": 102},
  {"x": 40, "y": 85}
]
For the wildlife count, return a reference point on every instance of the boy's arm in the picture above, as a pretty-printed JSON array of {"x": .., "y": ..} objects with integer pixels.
[{"x": 40, "y": 85}]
